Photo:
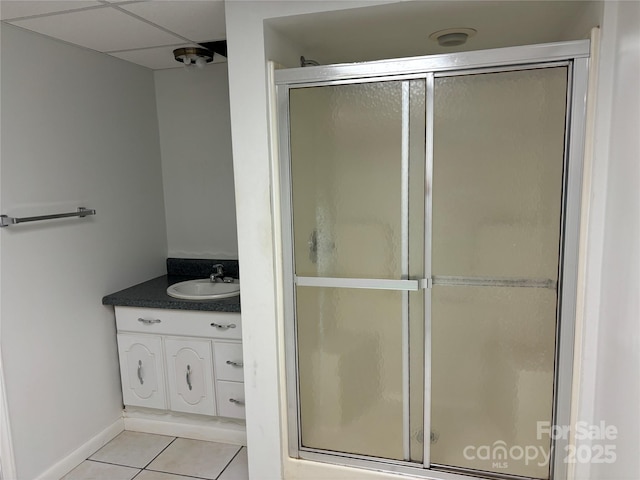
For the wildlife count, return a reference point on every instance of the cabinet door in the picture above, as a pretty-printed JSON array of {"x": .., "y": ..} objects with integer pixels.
[
  {"x": 190, "y": 376},
  {"x": 141, "y": 370}
]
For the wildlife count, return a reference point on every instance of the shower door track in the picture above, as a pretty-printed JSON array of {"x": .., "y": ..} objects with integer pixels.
[{"x": 575, "y": 55}]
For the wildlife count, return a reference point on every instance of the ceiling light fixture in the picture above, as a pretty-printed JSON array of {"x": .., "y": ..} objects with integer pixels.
[
  {"x": 452, "y": 37},
  {"x": 193, "y": 56}
]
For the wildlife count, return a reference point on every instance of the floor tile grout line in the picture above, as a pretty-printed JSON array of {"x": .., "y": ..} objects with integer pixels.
[
  {"x": 139, "y": 472},
  {"x": 160, "y": 453},
  {"x": 229, "y": 463},
  {"x": 176, "y": 474},
  {"x": 111, "y": 463}
]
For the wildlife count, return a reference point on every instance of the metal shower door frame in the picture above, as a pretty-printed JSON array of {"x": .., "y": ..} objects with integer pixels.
[{"x": 575, "y": 55}]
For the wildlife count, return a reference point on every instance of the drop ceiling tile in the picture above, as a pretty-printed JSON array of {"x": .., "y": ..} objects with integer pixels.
[
  {"x": 154, "y": 58},
  {"x": 102, "y": 29},
  {"x": 158, "y": 58},
  {"x": 198, "y": 21},
  {"x": 17, "y": 9}
]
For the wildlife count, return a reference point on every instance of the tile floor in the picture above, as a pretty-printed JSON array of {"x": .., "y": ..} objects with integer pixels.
[{"x": 144, "y": 456}]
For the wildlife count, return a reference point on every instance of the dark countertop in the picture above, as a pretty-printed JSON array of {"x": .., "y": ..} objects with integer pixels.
[{"x": 153, "y": 294}]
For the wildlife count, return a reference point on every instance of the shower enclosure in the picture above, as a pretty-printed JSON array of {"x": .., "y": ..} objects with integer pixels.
[{"x": 430, "y": 221}]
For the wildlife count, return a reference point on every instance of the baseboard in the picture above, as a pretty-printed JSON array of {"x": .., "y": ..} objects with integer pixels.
[
  {"x": 79, "y": 455},
  {"x": 196, "y": 427}
]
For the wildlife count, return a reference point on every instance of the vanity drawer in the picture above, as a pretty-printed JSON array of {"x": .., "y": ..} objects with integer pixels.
[
  {"x": 228, "y": 361},
  {"x": 179, "y": 322},
  {"x": 230, "y": 397}
]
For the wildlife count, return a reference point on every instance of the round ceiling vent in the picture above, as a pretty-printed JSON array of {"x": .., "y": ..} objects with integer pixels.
[{"x": 452, "y": 37}]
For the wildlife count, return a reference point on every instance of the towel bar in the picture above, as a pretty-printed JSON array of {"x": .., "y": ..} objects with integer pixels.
[{"x": 5, "y": 220}]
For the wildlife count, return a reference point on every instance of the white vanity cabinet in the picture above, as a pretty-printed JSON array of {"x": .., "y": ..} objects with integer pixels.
[{"x": 181, "y": 360}]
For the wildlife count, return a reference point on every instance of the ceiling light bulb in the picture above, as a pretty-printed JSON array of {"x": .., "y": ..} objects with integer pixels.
[
  {"x": 200, "y": 62},
  {"x": 193, "y": 55}
]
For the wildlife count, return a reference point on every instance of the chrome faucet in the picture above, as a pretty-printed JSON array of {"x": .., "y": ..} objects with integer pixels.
[{"x": 218, "y": 273}]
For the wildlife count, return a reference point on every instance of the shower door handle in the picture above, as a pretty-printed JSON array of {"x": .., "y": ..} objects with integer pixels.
[{"x": 366, "y": 283}]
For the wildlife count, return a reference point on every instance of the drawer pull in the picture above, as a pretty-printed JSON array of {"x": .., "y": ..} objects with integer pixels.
[
  {"x": 140, "y": 372},
  {"x": 240, "y": 403},
  {"x": 223, "y": 327},
  {"x": 149, "y": 321},
  {"x": 235, "y": 364},
  {"x": 189, "y": 377}
]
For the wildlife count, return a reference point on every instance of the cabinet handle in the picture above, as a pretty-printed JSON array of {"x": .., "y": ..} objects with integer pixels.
[
  {"x": 189, "y": 377},
  {"x": 223, "y": 327},
  {"x": 240, "y": 403},
  {"x": 235, "y": 364},
  {"x": 149, "y": 321},
  {"x": 140, "y": 372}
]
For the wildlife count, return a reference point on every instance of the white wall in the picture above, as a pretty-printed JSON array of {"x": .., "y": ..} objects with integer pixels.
[
  {"x": 610, "y": 380},
  {"x": 591, "y": 16},
  {"x": 78, "y": 129},
  {"x": 197, "y": 168}
]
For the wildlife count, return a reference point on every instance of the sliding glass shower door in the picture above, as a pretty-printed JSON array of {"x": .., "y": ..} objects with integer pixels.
[
  {"x": 356, "y": 246},
  {"x": 498, "y": 162},
  {"x": 426, "y": 229}
]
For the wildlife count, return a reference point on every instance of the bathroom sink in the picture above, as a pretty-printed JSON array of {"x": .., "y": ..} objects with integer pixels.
[{"x": 204, "y": 289}]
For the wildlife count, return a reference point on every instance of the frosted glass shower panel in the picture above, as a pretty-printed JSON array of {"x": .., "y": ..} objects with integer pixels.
[
  {"x": 492, "y": 379},
  {"x": 350, "y": 359},
  {"x": 346, "y": 179},
  {"x": 498, "y": 162}
]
